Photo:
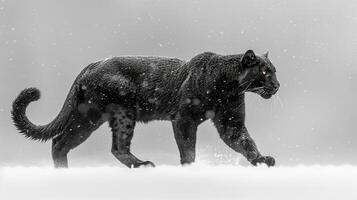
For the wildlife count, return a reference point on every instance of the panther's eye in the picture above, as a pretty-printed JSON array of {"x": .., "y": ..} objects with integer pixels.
[{"x": 265, "y": 73}]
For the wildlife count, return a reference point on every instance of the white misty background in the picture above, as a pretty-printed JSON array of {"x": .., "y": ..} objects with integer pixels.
[{"x": 313, "y": 44}]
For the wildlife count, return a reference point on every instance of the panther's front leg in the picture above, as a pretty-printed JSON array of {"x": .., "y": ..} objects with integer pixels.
[
  {"x": 230, "y": 125},
  {"x": 185, "y": 136},
  {"x": 239, "y": 140}
]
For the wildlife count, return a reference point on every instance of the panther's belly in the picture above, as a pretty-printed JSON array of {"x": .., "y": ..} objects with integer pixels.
[
  {"x": 146, "y": 115},
  {"x": 154, "y": 109}
]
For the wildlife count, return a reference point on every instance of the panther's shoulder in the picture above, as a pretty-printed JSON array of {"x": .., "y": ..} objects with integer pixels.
[
  {"x": 203, "y": 57},
  {"x": 200, "y": 61}
]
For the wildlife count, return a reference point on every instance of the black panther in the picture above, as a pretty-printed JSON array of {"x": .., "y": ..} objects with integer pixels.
[{"x": 126, "y": 90}]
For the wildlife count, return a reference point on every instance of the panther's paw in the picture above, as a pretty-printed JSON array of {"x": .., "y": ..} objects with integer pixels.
[
  {"x": 268, "y": 160},
  {"x": 144, "y": 164}
]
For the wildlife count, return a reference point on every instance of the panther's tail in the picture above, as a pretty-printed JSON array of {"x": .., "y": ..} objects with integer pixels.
[{"x": 30, "y": 130}]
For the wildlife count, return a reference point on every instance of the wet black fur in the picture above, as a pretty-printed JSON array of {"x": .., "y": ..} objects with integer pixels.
[{"x": 123, "y": 90}]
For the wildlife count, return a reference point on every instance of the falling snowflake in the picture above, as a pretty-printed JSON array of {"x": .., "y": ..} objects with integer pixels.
[
  {"x": 196, "y": 101},
  {"x": 145, "y": 84},
  {"x": 210, "y": 114},
  {"x": 152, "y": 100},
  {"x": 122, "y": 93},
  {"x": 188, "y": 100}
]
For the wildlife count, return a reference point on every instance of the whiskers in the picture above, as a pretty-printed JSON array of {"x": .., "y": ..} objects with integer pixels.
[
  {"x": 275, "y": 103},
  {"x": 280, "y": 101},
  {"x": 258, "y": 89}
]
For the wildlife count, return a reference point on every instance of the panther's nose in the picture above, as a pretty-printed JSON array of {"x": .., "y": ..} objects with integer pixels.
[{"x": 276, "y": 87}]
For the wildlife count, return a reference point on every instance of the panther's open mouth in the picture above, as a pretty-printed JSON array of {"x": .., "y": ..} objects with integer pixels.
[
  {"x": 266, "y": 95},
  {"x": 268, "y": 92},
  {"x": 264, "y": 92}
]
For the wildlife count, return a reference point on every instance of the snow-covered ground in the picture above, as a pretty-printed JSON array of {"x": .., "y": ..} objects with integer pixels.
[{"x": 199, "y": 181}]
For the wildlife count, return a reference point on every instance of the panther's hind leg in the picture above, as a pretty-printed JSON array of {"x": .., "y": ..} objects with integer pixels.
[
  {"x": 59, "y": 151},
  {"x": 74, "y": 135},
  {"x": 122, "y": 123}
]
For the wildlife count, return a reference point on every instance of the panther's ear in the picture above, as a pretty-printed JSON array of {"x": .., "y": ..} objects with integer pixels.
[
  {"x": 249, "y": 59},
  {"x": 266, "y": 54}
]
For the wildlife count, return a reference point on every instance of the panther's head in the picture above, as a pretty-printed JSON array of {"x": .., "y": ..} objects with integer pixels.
[{"x": 258, "y": 75}]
